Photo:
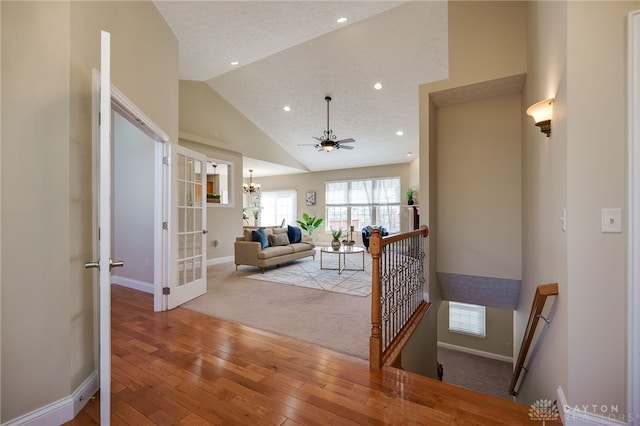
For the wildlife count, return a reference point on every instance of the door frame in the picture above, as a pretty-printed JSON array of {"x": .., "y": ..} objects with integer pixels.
[
  {"x": 125, "y": 107},
  {"x": 633, "y": 260}
]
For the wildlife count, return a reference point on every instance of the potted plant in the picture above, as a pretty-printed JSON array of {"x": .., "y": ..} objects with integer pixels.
[
  {"x": 309, "y": 223},
  {"x": 336, "y": 234},
  {"x": 213, "y": 197},
  {"x": 410, "y": 194}
]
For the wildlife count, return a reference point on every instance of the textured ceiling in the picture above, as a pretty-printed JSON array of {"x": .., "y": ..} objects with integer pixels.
[{"x": 294, "y": 53}]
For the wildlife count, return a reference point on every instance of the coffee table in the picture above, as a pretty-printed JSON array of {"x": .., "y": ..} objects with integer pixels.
[{"x": 342, "y": 253}]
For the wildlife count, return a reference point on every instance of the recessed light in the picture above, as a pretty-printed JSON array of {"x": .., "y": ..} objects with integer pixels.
[
  {"x": 341, "y": 20},
  {"x": 287, "y": 108},
  {"x": 399, "y": 133},
  {"x": 377, "y": 86},
  {"x": 234, "y": 63},
  {"x": 409, "y": 154}
]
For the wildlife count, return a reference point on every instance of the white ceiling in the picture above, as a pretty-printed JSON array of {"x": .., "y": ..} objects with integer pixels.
[{"x": 295, "y": 53}]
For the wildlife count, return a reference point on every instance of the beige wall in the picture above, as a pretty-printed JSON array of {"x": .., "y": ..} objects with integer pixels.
[
  {"x": 47, "y": 311},
  {"x": 204, "y": 113},
  {"x": 36, "y": 302},
  {"x": 544, "y": 245},
  {"x": 487, "y": 41},
  {"x": 582, "y": 167},
  {"x": 478, "y": 184}
]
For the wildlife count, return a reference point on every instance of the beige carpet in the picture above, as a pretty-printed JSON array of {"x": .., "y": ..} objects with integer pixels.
[
  {"x": 307, "y": 273},
  {"x": 336, "y": 321}
]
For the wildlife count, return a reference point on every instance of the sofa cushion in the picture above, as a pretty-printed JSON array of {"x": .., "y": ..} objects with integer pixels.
[
  {"x": 270, "y": 252},
  {"x": 260, "y": 236},
  {"x": 278, "y": 240},
  {"x": 298, "y": 247},
  {"x": 294, "y": 233},
  {"x": 277, "y": 231}
]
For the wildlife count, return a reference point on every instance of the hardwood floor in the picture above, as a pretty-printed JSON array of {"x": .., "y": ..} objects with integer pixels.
[{"x": 185, "y": 368}]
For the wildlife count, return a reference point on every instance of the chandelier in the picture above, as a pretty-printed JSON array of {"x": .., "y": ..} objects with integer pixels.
[{"x": 251, "y": 187}]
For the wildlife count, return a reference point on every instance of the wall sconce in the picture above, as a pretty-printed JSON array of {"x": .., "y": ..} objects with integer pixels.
[{"x": 541, "y": 113}]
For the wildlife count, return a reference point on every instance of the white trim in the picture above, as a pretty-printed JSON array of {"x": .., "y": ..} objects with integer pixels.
[
  {"x": 133, "y": 284},
  {"x": 131, "y": 112},
  {"x": 573, "y": 416},
  {"x": 63, "y": 410},
  {"x": 633, "y": 272},
  {"x": 219, "y": 260},
  {"x": 475, "y": 352}
]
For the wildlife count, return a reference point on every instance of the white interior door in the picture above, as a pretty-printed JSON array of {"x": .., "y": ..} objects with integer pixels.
[
  {"x": 187, "y": 275},
  {"x": 104, "y": 262}
]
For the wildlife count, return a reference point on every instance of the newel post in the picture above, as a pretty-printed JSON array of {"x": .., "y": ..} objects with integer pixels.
[{"x": 375, "y": 341}]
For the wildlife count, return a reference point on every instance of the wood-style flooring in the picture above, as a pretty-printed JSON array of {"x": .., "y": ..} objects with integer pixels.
[{"x": 185, "y": 368}]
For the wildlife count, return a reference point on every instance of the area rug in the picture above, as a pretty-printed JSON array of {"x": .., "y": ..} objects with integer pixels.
[{"x": 307, "y": 273}]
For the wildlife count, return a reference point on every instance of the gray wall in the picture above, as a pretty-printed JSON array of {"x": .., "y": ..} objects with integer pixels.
[{"x": 133, "y": 204}]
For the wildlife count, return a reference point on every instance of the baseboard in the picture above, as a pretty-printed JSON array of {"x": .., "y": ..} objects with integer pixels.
[
  {"x": 133, "y": 284},
  {"x": 575, "y": 416},
  {"x": 61, "y": 411},
  {"x": 219, "y": 260},
  {"x": 475, "y": 352}
]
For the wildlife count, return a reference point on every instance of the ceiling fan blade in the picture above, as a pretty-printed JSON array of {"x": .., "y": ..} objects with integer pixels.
[
  {"x": 344, "y": 146},
  {"x": 348, "y": 140},
  {"x": 316, "y": 138},
  {"x": 307, "y": 144}
]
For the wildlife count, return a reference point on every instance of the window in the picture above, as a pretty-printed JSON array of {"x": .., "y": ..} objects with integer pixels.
[
  {"x": 363, "y": 202},
  {"x": 278, "y": 205},
  {"x": 467, "y": 319}
]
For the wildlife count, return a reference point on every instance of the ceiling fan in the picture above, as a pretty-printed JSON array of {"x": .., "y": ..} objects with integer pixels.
[{"x": 328, "y": 142}]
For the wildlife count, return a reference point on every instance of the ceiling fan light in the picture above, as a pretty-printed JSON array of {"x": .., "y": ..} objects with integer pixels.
[{"x": 327, "y": 148}]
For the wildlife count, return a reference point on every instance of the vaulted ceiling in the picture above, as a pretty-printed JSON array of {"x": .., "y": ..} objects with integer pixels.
[{"x": 294, "y": 53}]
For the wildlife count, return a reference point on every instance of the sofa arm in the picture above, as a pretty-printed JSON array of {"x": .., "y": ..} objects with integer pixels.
[
  {"x": 246, "y": 252},
  {"x": 307, "y": 239}
]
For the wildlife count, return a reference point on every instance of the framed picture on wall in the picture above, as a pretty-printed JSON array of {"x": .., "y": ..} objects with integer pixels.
[{"x": 311, "y": 198}]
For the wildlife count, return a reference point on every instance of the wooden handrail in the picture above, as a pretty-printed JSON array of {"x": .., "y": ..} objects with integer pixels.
[
  {"x": 542, "y": 292},
  {"x": 383, "y": 352}
]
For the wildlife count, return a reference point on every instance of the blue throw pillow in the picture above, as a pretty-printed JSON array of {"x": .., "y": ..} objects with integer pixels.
[
  {"x": 294, "y": 234},
  {"x": 260, "y": 236}
]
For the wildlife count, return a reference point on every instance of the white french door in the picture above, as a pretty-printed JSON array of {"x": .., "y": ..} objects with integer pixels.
[{"x": 186, "y": 226}]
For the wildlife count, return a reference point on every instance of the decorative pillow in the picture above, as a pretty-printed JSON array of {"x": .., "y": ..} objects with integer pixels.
[
  {"x": 247, "y": 235},
  {"x": 278, "y": 240},
  {"x": 260, "y": 236},
  {"x": 294, "y": 233}
]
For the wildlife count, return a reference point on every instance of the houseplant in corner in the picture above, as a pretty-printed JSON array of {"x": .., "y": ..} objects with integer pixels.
[
  {"x": 335, "y": 243},
  {"x": 309, "y": 223}
]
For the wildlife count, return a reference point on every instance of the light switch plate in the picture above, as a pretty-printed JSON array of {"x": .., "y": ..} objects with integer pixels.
[{"x": 611, "y": 220}]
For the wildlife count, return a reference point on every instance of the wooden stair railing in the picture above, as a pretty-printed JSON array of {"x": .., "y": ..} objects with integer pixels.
[
  {"x": 397, "y": 302},
  {"x": 542, "y": 292}
]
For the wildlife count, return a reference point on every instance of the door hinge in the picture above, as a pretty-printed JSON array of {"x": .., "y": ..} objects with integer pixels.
[
  {"x": 165, "y": 225},
  {"x": 166, "y": 290},
  {"x": 165, "y": 161}
]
